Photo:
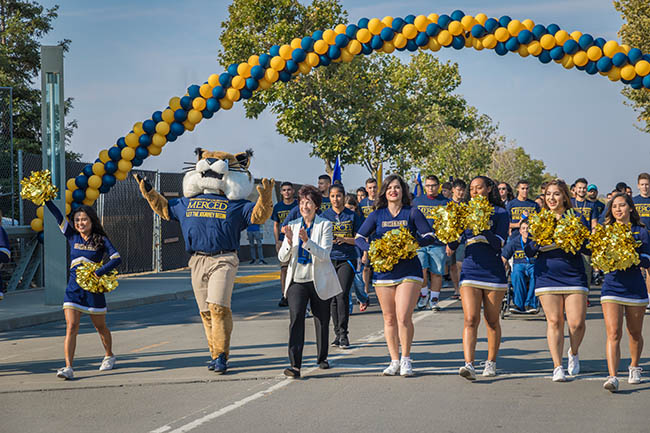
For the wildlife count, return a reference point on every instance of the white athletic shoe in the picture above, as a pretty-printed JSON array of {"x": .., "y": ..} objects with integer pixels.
[
  {"x": 558, "y": 374},
  {"x": 107, "y": 363},
  {"x": 467, "y": 371},
  {"x": 65, "y": 373},
  {"x": 405, "y": 368},
  {"x": 393, "y": 368},
  {"x": 422, "y": 301},
  {"x": 611, "y": 384},
  {"x": 635, "y": 375},
  {"x": 433, "y": 304},
  {"x": 573, "y": 366},
  {"x": 490, "y": 369}
]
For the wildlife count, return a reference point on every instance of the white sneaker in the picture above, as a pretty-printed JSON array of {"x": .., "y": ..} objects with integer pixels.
[
  {"x": 405, "y": 368},
  {"x": 433, "y": 304},
  {"x": 422, "y": 301},
  {"x": 490, "y": 369},
  {"x": 573, "y": 367},
  {"x": 558, "y": 374},
  {"x": 467, "y": 371},
  {"x": 611, "y": 384},
  {"x": 393, "y": 368},
  {"x": 107, "y": 363},
  {"x": 635, "y": 375},
  {"x": 65, "y": 373}
]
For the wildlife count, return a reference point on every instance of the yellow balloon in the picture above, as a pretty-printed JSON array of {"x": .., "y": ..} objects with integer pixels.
[
  {"x": 232, "y": 94},
  {"x": 199, "y": 104},
  {"x": 421, "y": 22},
  {"x": 329, "y": 36},
  {"x": 254, "y": 60},
  {"x": 304, "y": 68},
  {"x": 321, "y": 46},
  {"x": 354, "y": 47},
  {"x": 36, "y": 224},
  {"x": 502, "y": 34},
  {"x": 313, "y": 60},
  {"x": 155, "y": 150},
  {"x": 409, "y": 31},
  {"x": 285, "y": 52},
  {"x": 388, "y": 47},
  {"x": 434, "y": 45},
  {"x": 39, "y": 212},
  {"x": 88, "y": 202},
  {"x": 399, "y": 41},
  {"x": 468, "y": 22},
  {"x": 213, "y": 80},
  {"x": 561, "y": 36},
  {"x": 346, "y": 56},
  {"x": 263, "y": 83},
  {"x": 433, "y": 18},
  {"x": 594, "y": 53},
  {"x": 70, "y": 185},
  {"x": 535, "y": 48},
  {"x": 628, "y": 72},
  {"x": 244, "y": 69},
  {"x": 580, "y": 58},
  {"x": 528, "y": 24},
  {"x": 131, "y": 140},
  {"x": 278, "y": 63},
  {"x": 614, "y": 74},
  {"x": 68, "y": 196},
  {"x": 481, "y": 18},
  {"x": 120, "y": 175},
  {"x": 137, "y": 128},
  {"x": 295, "y": 43},
  {"x": 567, "y": 61},
  {"x": 576, "y": 35},
  {"x": 387, "y": 20},
  {"x": 103, "y": 156},
  {"x": 455, "y": 28},
  {"x": 489, "y": 41},
  {"x": 124, "y": 165},
  {"x": 340, "y": 28},
  {"x": 98, "y": 169},
  {"x": 610, "y": 48},
  {"x": 374, "y": 25},
  {"x": 625, "y": 48},
  {"x": 194, "y": 116},
  {"x": 476, "y": 43},
  {"x": 548, "y": 42},
  {"x": 162, "y": 128},
  {"x": 128, "y": 153},
  {"x": 238, "y": 82},
  {"x": 523, "y": 51},
  {"x": 68, "y": 208},
  {"x": 159, "y": 140},
  {"x": 271, "y": 75},
  {"x": 168, "y": 115},
  {"x": 514, "y": 27},
  {"x": 175, "y": 103},
  {"x": 92, "y": 194},
  {"x": 363, "y": 36},
  {"x": 642, "y": 68},
  {"x": 444, "y": 38},
  {"x": 205, "y": 90},
  {"x": 469, "y": 41},
  {"x": 189, "y": 125},
  {"x": 225, "y": 104}
]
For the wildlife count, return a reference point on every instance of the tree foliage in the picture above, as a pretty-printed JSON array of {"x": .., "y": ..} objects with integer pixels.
[
  {"x": 635, "y": 32},
  {"x": 511, "y": 164}
]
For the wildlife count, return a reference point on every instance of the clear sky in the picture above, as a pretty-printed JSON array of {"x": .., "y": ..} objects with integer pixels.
[{"x": 128, "y": 58}]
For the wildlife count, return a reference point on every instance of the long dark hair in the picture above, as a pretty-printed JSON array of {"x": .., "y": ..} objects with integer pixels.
[
  {"x": 493, "y": 194},
  {"x": 635, "y": 219},
  {"x": 381, "y": 199},
  {"x": 97, "y": 233}
]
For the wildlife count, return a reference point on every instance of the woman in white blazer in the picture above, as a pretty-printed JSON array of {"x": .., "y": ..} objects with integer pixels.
[{"x": 311, "y": 278}]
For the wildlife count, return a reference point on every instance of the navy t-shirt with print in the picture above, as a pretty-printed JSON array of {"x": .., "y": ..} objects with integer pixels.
[
  {"x": 427, "y": 206},
  {"x": 516, "y": 209},
  {"x": 344, "y": 225},
  {"x": 587, "y": 209},
  {"x": 642, "y": 205},
  {"x": 367, "y": 206},
  {"x": 280, "y": 212}
]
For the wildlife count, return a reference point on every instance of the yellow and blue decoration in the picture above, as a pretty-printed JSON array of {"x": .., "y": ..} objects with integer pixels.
[{"x": 341, "y": 44}]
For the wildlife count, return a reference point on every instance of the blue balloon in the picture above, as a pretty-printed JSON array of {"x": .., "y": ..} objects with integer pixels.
[
  {"x": 284, "y": 76},
  {"x": 137, "y": 162},
  {"x": 351, "y": 31},
  {"x": 170, "y": 137},
  {"x": 212, "y": 104},
  {"x": 78, "y": 195},
  {"x": 324, "y": 60},
  {"x": 251, "y": 84},
  {"x": 307, "y": 43},
  {"x": 219, "y": 92},
  {"x": 98, "y": 160},
  {"x": 121, "y": 143},
  {"x": 141, "y": 152},
  {"x": 398, "y": 24},
  {"x": 624, "y": 81},
  {"x": 600, "y": 42},
  {"x": 421, "y": 39},
  {"x": 82, "y": 181},
  {"x": 115, "y": 153},
  {"x": 144, "y": 140},
  {"x": 149, "y": 126},
  {"x": 619, "y": 59},
  {"x": 291, "y": 66},
  {"x": 232, "y": 69},
  {"x": 545, "y": 57},
  {"x": 457, "y": 15},
  {"x": 110, "y": 167},
  {"x": 87, "y": 170},
  {"x": 538, "y": 31},
  {"x": 376, "y": 42},
  {"x": 433, "y": 29},
  {"x": 591, "y": 68},
  {"x": 410, "y": 19},
  {"x": 458, "y": 42},
  {"x": 225, "y": 79},
  {"x": 505, "y": 20},
  {"x": 553, "y": 29},
  {"x": 180, "y": 115},
  {"x": 257, "y": 72},
  {"x": 637, "y": 82},
  {"x": 157, "y": 116},
  {"x": 512, "y": 44},
  {"x": 406, "y": 46},
  {"x": 646, "y": 81},
  {"x": 525, "y": 36},
  {"x": 444, "y": 20},
  {"x": 491, "y": 25},
  {"x": 73, "y": 206},
  {"x": 274, "y": 51},
  {"x": 571, "y": 47},
  {"x": 411, "y": 45},
  {"x": 581, "y": 68},
  {"x": 104, "y": 189},
  {"x": 557, "y": 53},
  {"x": 501, "y": 49},
  {"x": 334, "y": 52},
  {"x": 387, "y": 34},
  {"x": 635, "y": 55},
  {"x": 245, "y": 93},
  {"x": 193, "y": 91},
  {"x": 363, "y": 23},
  {"x": 265, "y": 60},
  {"x": 604, "y": 64},
  {"x": 586, "y": 41},
  {"x": 108, "y": 180},
  {"x": 341, "y": 40},
  {"x": 298, "y": 55},
  {"x": 186, "y": 103},
  {"x": 207, "y": 114},
  {"x": 646, "y": 57},
  {"x": 478, "y": 31},
  {"x": 176, "y": 128},
  {"x": 366, "y": 49},
  {"x": 317, "y": 35}
]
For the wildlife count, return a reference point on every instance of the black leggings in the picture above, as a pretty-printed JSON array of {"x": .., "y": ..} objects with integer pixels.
[
  {"x": 298, "y": 296},
  {"x": 341, "y": 302}
]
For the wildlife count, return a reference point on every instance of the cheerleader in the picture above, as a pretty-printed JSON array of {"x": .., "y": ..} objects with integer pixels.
[
  {"x": 624, "y": 294},
  {"x": 561, "y": 285},
  {"x": 483, "y": 279},
  {"x": 88, "y": 243},
  {"x": 398, "y": 289}
]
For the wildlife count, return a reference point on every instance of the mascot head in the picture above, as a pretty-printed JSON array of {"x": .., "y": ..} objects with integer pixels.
[{"x": 219, "y": 173}]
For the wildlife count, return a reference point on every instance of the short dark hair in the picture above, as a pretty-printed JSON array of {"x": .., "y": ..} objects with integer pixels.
[
  {"x": 371, "y": 180},
  {"x": 446, "y": 185},
  {"x": 459, "y": 183},
  {"x": 522, "y": 182},
  {"x": 644, "y": 175},
  {"x": 325, "y": 177},
  {"x": 286, "y": 184},
  {"x": 312, "y": 193},
  {"x": 621, "y": 186},
  {"x": 581, "y": 180},
  {"x": 362, "y": 189},
  {"x": 433, "y": 177}
]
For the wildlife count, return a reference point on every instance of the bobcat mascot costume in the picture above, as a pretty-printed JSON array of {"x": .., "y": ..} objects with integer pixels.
[{"x": 212, "y": 212}]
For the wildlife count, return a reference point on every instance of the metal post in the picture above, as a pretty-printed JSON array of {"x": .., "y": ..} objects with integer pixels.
[
  {"x": 53, "y": 133},
  {"x": 11, "y": 149},
  {"x": 156, "y": 257},
  {"x": 21, "y": 210}
]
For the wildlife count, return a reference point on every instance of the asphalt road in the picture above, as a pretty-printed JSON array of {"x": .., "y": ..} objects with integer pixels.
[{"x": 160, "y": 383}]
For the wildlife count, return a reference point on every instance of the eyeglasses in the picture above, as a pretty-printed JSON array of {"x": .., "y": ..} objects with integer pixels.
[
  {"x": 431, "y": 185},
  {"x": 503, "y": 188}
]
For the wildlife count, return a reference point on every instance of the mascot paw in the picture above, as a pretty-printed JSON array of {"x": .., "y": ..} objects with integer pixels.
[
  {"x": 265, "y": 190},
  {"x": 144, "y": 184}
]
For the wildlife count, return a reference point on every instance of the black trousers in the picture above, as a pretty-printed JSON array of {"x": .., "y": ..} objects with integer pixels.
[
  {"x": 298, "y": 296},
  {"x": 341, "y": 302}
]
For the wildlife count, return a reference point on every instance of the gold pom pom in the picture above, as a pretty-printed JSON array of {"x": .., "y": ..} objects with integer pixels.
[
  {"x": 38, "y": 187},
  {"x": 541, "y": 226},
  {"x": 479, "y": 211},
  {"x": 87, "y": 279},
  {"x": 570, "y": 233},
  {"x": 395, "y": 245},
  {"x": 613, "y": 247},
  {"x": 449, "y": 221}
]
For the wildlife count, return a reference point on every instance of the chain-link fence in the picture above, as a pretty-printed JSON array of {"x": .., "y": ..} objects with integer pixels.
[{"x": 7, "y": 159}]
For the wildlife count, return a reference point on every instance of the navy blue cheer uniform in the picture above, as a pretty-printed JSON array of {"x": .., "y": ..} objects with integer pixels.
[
  {"x": 482, "y": 267},
  {"x": 5, "y": 253},
  {"x": 75, "y": 297},
  {"x": 556, "y": 271},
  {"x": 642, "y": 205},
  {"x": 627, "y": 287},
  {"x": 378, "y": 223},
  {"x": 280, "y": 212}
]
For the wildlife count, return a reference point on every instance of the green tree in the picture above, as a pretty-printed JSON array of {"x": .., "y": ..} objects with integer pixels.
[
  {"x": 511, "y": 164},
  {"x": 635, "y": 32}
]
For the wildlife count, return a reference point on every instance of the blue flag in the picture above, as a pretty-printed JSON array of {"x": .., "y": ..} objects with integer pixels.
[
  {"x": 336, "y": 173},
  {"x": 418, "y": 186}
]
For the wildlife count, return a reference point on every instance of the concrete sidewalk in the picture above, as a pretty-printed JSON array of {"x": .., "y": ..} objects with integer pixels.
[{"x": 27, "y": 308}]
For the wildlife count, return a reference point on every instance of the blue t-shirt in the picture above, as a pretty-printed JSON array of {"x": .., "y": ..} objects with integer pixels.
[
  {"x": 515, "y": 248},
  {"x": 427, "y": 206},
  {"x": 517, "y": 207},
  {"x": 211, "y": 222},
  {"x": 325, "y": 204},
  {"x": 587, "y": 209},
  {"x": 642, "y": 205},
  {"x": 280, "y": 212},
  {"x": 599, "y": 208},
  {"x": 344, "y": 225},
  {"x": 367, "y": 206}
]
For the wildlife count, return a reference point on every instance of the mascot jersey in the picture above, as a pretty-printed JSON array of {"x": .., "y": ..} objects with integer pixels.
[{"x": 210, "y": 222}]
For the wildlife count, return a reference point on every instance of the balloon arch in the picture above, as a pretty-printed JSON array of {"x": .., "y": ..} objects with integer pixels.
[{"x": 342, "y": 44}]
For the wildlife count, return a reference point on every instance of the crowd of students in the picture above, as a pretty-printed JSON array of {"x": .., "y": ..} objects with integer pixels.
[{"x": 478, "y": 265}]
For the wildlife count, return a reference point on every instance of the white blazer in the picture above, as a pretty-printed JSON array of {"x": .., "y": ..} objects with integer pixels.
[{"x": 319, "y": 245}]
